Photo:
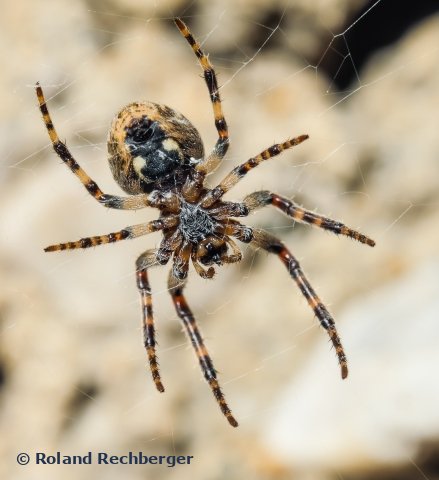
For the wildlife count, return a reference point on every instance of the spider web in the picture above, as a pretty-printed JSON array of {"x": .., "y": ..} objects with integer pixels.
[{"x": 360, "y": 79}]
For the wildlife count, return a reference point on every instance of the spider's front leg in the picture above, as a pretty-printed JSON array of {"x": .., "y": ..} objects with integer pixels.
[
  {"x": 134, "y": 202},
  {"x": 222, "y": 144},
  {"x": 264, "y": 197},
  {"x": 176, "y": 286}
]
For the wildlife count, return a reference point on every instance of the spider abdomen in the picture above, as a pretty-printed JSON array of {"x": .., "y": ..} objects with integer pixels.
[{"x": 152, "y": 146}]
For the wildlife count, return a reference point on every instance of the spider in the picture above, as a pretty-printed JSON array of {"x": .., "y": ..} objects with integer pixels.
[{"x": 156, "y": 156}]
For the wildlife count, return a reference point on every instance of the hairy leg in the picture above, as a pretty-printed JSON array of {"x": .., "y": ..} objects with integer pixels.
[
  {"x": 222, "y": 144},
  {"x": 147, "y": 260},
  {"x": 271, "y": 244},
  {"x": 127, "y": 233},
  {"x": 264, "y": 197},
  {"x": 134, "y": 202},
  {"x": 262, "y": 239},
  {"x": 183, "y": 311},
  {"x": 240, "y": 171}
]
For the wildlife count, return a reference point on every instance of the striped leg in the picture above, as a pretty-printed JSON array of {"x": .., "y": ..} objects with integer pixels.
[
  {"x": 241, "y": 170},
  {"x": 222, "y": 144},
  {"x": 145, "y": 261},
  {"x": 190, "y": 325},
  {"x": 127, "y": 233},
  {"x": 112, "y": 201},
  {"x": 273, "y": 245},
  {"x": 261, "y": 199}
]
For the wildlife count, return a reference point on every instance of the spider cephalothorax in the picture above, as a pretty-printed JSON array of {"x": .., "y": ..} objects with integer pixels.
[{"x": 156, "y": 155}]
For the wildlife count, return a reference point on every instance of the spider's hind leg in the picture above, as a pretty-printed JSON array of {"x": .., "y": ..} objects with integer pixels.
[
  {"x": 271, "y": 244},
  {"x": 183, "y": 311},
  {"x": 147, "y": 260}
]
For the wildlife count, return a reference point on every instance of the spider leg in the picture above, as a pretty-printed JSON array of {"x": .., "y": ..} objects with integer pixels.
[
  {"x": 134, "y": 202},
  {"x": 273, "y": 245},
  {"x": 262, "y": 239},
  {"x": 222, "y": 144},
  {"x": 224, "y": 210},
  {"x": 240, "y": 171},
  {"x": 127, "y": 233},
  {"x": 262, "y": 198},
  {"x": 183, "y": 311},
  {"x": 147, "y": 260}
]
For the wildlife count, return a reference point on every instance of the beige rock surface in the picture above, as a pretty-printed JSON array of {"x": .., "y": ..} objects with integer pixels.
[{"x": 70, "y": 345}]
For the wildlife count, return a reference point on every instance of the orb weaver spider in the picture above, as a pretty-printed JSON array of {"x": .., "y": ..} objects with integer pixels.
[{"x": 156, "y": 156}]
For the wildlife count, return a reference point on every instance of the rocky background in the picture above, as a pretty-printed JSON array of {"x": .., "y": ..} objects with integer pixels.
[{"x": 362, "y": 80}]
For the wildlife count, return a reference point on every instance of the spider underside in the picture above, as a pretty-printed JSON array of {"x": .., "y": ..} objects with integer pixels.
[{"x": 156, "y": 155}]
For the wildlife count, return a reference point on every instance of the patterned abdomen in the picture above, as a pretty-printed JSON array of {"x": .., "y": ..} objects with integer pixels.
[{"x": 151, "y": 145}]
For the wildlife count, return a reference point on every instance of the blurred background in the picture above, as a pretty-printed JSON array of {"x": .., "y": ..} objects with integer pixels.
[{"x": 361, "y": 78}]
